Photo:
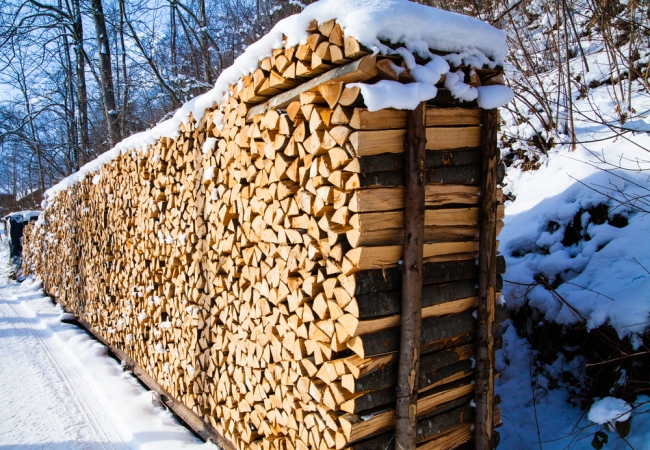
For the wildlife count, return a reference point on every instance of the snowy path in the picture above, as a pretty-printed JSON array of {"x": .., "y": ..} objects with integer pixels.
[
  {"x": 59, "y": 389},
  {"x": 62, "y": 406}
]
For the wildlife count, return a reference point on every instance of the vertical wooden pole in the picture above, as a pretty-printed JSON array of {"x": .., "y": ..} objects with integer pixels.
[
  {"x": 409, "y": 356},
  {"x": 484, "y": 387}
]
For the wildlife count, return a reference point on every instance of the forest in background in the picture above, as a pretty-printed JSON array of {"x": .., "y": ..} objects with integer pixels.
[{"x": 77, "y": 76}]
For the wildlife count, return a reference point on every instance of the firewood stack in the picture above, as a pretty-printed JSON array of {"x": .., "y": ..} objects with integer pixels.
[{"x": 251, "y": 265}]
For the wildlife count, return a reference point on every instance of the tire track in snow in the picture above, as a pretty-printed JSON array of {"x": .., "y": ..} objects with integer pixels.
[{"x": 71, "y": 376}]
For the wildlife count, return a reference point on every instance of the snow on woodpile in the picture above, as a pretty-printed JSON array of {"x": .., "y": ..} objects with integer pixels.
[{"x": 374, "y": 23}]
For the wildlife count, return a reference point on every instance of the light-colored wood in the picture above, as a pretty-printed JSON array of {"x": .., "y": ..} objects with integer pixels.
[
  {"x": 392, "y": 198},
  {"x": 365, "y": 258},
  {"x": 366, "y": 143},
  {"x": 395, "y": 219},
  {"x": 388, "y": 119},
  {"x": 432, "y": 233}
]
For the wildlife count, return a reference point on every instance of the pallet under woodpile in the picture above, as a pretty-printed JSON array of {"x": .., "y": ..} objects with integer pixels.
[{"x": 251, "y": 267}]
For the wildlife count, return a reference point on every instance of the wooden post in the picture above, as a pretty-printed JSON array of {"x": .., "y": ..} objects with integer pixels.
[
  {"x": 409, "y": 356},
  {"x": 484, "y": 388}
]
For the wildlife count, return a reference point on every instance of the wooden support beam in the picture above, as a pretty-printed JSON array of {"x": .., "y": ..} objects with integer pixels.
[
  {"x": 409, "y": 357},
  {"x": 359, "y": 70},
  {"x": 484, "y": 388}
]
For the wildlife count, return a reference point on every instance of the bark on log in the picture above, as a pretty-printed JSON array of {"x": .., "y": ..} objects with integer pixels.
[
  {"x": 465, "y": 175},
  {"x": 484, "y": 425},
  {"x": 409, "y": 358}
]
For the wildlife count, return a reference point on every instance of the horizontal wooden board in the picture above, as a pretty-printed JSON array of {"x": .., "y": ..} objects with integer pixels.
[
  {"x": 387, "y": 376},
  {"x": 385, "y": 441},
  {"x": 433, "y": 329},
  {"x": 441, "y": 376},
  {"x": 388, "y": 119},
  {"x": 378, "y": 280},
  {"x": 463, "y": 175},
  {"x": 356, "y": 327},
  {"x": 432, "y": 233},
  {"x": 367, "y": 143},
  {"x": 392, "y": 198},
  {"x": 364, "y": 258},
  {"x": 354, "y": 428},
  {"x": 364, "y": 222},
  {"x": 388, "y": 303},
  {"x": 432, "y": 160}
]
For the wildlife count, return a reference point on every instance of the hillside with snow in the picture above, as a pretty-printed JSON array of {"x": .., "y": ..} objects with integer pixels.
[{"x": 576, "y": 228}]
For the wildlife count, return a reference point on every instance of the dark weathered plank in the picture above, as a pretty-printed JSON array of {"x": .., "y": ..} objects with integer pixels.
[
  {"x": 377, "y": 280},
  {"x": 389, "y": 302},
  {"x": 485, "y": 359},
  {"x": 465, "y": 175},
  {"x": 387, "y": 376},
  {"x": 386, "y": 395},
  {"x": 433, "y": 329},
  {"x": 433, "y": 160}
]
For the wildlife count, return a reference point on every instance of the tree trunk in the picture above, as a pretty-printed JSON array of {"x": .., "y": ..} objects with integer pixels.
[
  {"x": 82, "y": 95},
  {"x": 70, "y": 107},
  {"x": 484, "y": 388},
  {"x": 106, "y": 73},
  {"x": 409, "y": 352},
  {"x": 205, "y": 48},
  {"x": 125, "y": 95}
]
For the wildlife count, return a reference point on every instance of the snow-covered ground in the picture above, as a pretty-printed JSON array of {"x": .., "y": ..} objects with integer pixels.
[
  {"x": 60, "y": 390},
  {"x": 601, "y": 271}
]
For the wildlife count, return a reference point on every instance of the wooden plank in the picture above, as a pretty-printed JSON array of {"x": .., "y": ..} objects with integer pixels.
[
  {"x": 433, "y": 160},
  {"x": 432, "y": 217},
  {"x": 360, "y": 367},
  {"x": 204, "y": 430},
  {"x": 387, "y": 303},
  {"x": 356, "y": 327},
  {"x": 367, "y": 143},
  {"x": 372, "y": 281},
  {"x": 433, "y": 329},
  {"x": 389, "y": 119},
  {"x": 355, "y": 429},
  {"x": 485, "y": 359},
  {"x": 392, "y": 198},
  {"x": 435, "y": 378},
  {"x": 364, "y": 258},
  {"x": 456, "y": 413},
  {"x": 387, "y": 375},
  {"x": 359, "y": 70},
  {"x": 464, "y": 175},
  {"x": 432, "y": 234}
]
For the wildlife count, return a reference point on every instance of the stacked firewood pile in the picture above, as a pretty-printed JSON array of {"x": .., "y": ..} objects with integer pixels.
[{"x": 251, "y": 266}]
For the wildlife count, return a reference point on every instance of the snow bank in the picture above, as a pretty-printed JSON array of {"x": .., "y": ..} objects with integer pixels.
[
  {"x": 392, "y": 94},
  {"x": 417, "y": 27},
  {"x": 608, "y": 410},
  {"x": 603, "y": 271}
]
